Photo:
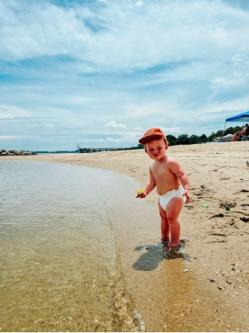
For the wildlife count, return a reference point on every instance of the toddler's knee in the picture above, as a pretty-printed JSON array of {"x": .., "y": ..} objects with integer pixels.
[{"x": 171, "y": 219}]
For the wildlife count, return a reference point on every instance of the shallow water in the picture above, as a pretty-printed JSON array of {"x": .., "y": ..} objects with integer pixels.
[{"x": 58, "y": 263}]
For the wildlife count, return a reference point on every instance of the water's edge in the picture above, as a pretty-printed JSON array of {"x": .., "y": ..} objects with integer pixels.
[{"x": 123, "y": 315}]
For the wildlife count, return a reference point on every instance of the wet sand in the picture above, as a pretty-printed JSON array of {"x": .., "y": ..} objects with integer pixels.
[{"x": 209, "y": 292}]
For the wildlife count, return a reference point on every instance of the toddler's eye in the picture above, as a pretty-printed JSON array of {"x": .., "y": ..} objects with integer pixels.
[{"x": 152, "y": 150}]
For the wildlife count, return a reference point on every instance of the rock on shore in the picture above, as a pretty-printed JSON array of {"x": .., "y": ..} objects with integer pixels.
[{"x": 5, "y": 152}]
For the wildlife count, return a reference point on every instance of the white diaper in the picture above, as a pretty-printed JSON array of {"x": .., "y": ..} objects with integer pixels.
[{"x": 165, "y": 198}]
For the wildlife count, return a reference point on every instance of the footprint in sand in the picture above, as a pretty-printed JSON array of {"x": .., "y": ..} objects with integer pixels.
[
  {"x": 201, "y": 191},
  {"x": 225, "y": 178},
  {"x": 217, "y": 234}
]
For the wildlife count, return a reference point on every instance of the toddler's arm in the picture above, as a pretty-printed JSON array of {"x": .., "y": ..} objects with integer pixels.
[
  {"x": 149, "y": 187},
  {"x": 181, "y": 175}
]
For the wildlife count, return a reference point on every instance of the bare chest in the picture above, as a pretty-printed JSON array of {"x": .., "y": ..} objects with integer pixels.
[{"x": 162, "y": 171}]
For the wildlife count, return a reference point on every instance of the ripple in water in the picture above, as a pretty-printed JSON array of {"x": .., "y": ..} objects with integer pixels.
[{"x": 57, "y": 251}]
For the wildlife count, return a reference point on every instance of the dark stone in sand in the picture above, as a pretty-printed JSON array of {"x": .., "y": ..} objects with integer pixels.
[
  {"x": 211, "y": 280},
  {"x": 217, "y": 215},
  {"x": 244, "y": 219}
]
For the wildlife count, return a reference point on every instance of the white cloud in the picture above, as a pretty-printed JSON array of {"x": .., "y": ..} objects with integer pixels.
[
  {"x": 46, "y": 30},
  {"x": 12, "y": 112},
  {"x": 113, "y": 140},
  {"x": 114, "y": 124},
  {"x": 47, "y": 125},
  {"x": 167, "y": 31},
  {"x": 150, "y": 109},
  {"x": 92, "y": 141},
  {"x": 137, "y": 128},
  {"x": 230, "y": 82},
  {"x": 79, "y": 100},
  {"x": 10, "y": 137},
  {"x": 175, "y": 130},
  {"x": 129, "y": 138},
  {"x": 225, "y": 108},
  {"x": 139, "y": 4},
  {"x": 241, "y": 58}
]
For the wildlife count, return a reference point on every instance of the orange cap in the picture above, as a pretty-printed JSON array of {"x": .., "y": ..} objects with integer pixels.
[{"x": 152, "y": 134}]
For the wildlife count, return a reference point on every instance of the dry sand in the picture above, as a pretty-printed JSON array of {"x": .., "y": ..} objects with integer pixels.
[{"x": 211, "y": 291}]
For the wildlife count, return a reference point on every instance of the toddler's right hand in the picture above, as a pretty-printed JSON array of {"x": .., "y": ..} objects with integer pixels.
[{"x": 141, "y": 193}]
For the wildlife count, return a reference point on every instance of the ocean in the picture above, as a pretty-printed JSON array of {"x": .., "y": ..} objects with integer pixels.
[{"x": 59, "y": 265}]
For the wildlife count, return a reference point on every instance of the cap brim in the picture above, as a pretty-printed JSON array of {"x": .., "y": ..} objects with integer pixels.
[{"x": 150, "y": 138}]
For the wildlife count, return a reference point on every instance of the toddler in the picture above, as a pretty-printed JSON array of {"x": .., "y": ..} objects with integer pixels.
[{"x": 171, "y": 183}]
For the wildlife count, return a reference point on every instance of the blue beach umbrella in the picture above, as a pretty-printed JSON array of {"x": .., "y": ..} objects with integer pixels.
[{"x": 241, "y": 117}]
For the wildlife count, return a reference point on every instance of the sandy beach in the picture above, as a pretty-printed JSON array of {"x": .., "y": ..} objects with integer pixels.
[{"x": 210, "y": 291}]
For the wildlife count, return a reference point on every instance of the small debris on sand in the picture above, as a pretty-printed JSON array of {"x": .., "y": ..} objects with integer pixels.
[
  {"x": 227, "y": 205},
  {"x": 216, "y": 215},
  {"x": 212, "y": 280},
  {"x": 244, "y": 219}
]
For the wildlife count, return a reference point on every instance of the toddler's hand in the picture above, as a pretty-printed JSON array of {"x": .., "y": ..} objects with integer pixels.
[
  {"x": 140, "y": 193},
  {"x": 187, "y": 196}
]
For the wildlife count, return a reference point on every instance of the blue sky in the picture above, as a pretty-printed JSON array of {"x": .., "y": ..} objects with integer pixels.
[{"x": 99, "y": 73}]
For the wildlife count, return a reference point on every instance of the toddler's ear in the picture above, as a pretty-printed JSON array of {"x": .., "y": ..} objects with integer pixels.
[
  {"x": 166, "y": 144},
  {"x": 145, "y": 149}
]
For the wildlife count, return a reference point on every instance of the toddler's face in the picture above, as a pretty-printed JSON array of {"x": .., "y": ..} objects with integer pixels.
[{"x": 156, "y": 149}]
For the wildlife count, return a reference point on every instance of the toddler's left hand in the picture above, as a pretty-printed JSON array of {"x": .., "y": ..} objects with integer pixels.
[{"x": 187, "y": 196}]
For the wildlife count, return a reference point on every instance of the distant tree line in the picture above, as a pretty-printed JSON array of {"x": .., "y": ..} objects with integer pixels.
[
  {"x": 185, "y": 139},
  {"x": 182, "y": 139}
]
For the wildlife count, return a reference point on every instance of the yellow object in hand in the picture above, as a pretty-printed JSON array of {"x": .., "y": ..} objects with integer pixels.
[{"x": 140, "y": 191}]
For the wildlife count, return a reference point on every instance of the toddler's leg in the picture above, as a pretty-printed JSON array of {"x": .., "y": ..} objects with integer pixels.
[
  {"x": 164, "y": 224},
  {"x": 174, "y": 208}
]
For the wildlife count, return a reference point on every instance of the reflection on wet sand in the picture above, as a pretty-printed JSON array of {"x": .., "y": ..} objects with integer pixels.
[
  {"x": 154, "y": 254},
  {"x": 173, "y": 298},
  {"x": 150, "y": 259}
]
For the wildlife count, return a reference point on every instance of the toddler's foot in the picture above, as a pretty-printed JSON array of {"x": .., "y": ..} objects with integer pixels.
[
  {"x": 173, "y": 248},
  {"x": 171, "y": 252},
  {"x": 164, "y": 242}
]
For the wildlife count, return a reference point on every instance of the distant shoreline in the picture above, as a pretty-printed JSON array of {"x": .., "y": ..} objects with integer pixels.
[{"x": 182, "y": 139}]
